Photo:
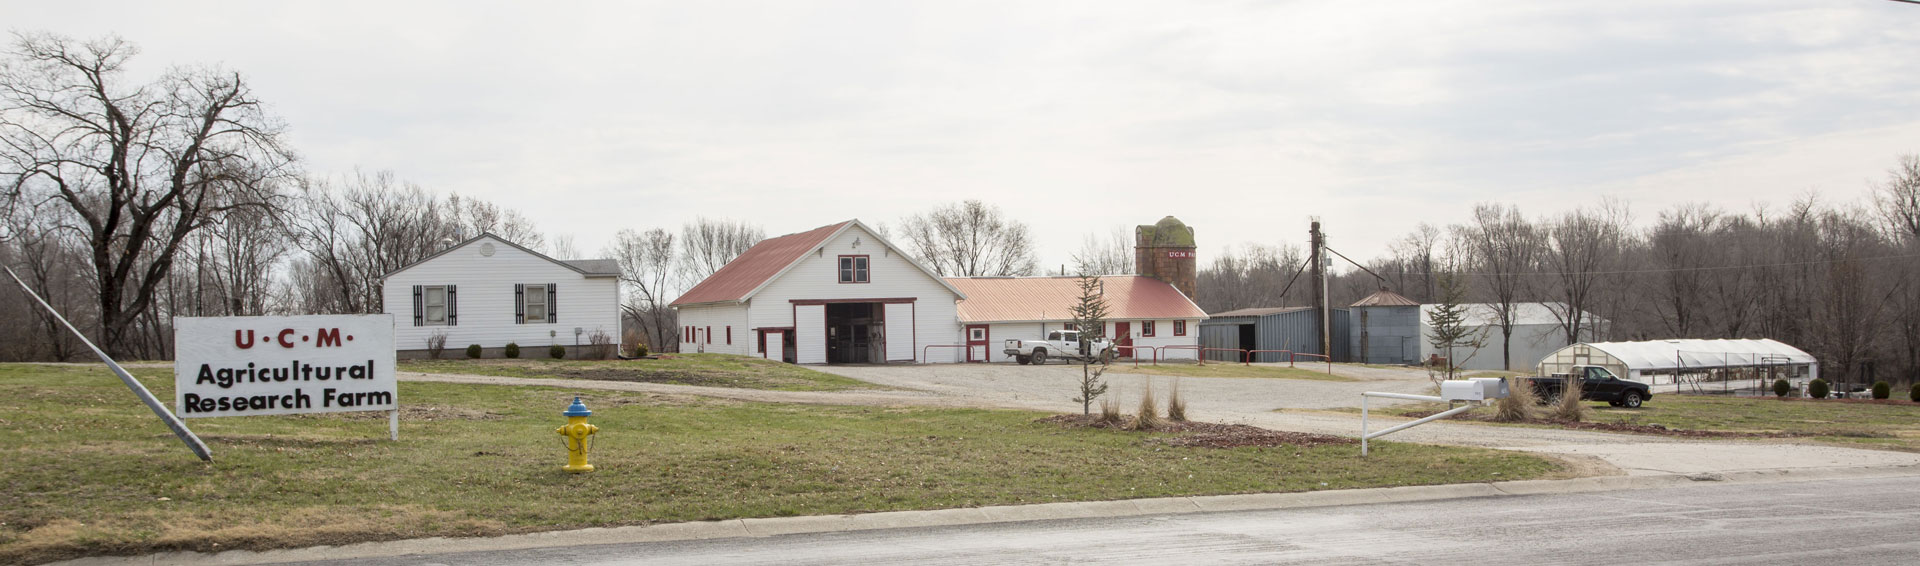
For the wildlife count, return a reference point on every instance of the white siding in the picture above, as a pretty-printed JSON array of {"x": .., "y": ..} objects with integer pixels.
[
  {"x": 485, "y": 300},
  {"x": 899, "y": 338},
  {"x": 712, "y": 325},
  {"x": 816, "y": 277},
  {"x": 1531, "y": 343},
  {"x": 1163, "y": 330}
]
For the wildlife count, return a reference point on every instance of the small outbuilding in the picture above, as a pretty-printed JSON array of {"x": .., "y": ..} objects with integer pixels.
[
  {"x": 1684, "y": 360},
  {"x": 1386, "y": 329},
  {"x": 1267, "y": 333}
]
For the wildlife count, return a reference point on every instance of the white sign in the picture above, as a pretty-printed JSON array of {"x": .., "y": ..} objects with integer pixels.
[{"x": 283, "y": 365}]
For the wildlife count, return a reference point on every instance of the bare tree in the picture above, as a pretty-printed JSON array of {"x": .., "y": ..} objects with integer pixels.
[
  {"x": 1504, "y": 246},
  {"x": 707, "y": 244},
  {"x": 136, "y": 167},
  {"x": 1898, "y": 202},
  {"x": 1112, "y": 255},
  {"x": 646, "y": 268},
  {"x": 970, "y": 239},
  {"x": 1580, "y": 247},
  {"x": 1253, "y": 275}
]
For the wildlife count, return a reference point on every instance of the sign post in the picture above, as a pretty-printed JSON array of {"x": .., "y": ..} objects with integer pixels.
[{"x": 285, "y": 365}]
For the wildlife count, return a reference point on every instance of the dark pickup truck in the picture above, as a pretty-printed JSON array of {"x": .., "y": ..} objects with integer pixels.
[{"x": 1596, "y": 384}]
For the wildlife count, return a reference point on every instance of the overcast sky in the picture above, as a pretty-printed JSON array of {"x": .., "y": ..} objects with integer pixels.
[{"x": 1241, "y": 118}]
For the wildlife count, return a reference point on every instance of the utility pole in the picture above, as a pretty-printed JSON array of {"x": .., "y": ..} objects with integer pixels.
[{"x": 1322, "y": 312}]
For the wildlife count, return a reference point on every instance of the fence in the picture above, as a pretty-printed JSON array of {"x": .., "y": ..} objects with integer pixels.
[{"x": 927, "y": 360}]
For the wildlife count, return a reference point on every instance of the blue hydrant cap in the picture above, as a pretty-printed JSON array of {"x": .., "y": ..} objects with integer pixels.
[{"x": 577, "y": 410}]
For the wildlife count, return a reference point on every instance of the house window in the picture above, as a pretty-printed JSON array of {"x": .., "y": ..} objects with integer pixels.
[
  {"x": 709, "y": 335},
  {"x": 1179, "y": 328},
  {"x": 1070, "y": 326},
  {"x": 729, "y": 336},
  {"x": 1146, "y": 328},
  {"x": 977, "y": 334},
  {"x": 853, "y": 269},
  {"x": 435, "y": 300},
  {"x": 534, "y": 304}
]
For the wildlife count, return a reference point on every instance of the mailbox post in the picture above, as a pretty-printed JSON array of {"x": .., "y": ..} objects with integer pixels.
[{"x": 1474, "y": 392}]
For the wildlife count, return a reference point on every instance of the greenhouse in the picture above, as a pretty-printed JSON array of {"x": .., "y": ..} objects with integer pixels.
[{"x": 1688, "y": 362}]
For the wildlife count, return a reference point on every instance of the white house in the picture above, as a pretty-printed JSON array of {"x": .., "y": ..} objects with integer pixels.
[
  {"x": 490, "y": 291},
  {"x": 835, "y": 294},
  {"x": 1537, "y": 333},
  {"x": 1142, "y": 311}
]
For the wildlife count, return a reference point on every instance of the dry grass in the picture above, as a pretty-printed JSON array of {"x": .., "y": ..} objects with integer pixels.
[
  {"x": 1176, "y": 406},
  {"x": 1569, "y": 408},
  {"x": 1518, "y": 406},
  {"x": 1110, "y": 410},
  {"x": 1147, "y": 416}
]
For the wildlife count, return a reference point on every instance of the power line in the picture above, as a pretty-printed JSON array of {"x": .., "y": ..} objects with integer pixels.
[{"x": 1683, "y": 269}]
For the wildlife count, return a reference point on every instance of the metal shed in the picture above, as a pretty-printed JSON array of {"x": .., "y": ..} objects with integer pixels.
[
  {"x": 1279, "y": 328},
  {"x": 1386, "y": 329}
]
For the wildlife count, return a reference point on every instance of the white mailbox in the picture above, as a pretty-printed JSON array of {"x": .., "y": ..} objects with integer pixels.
[
  {"x": 1461, "y": 390},
  {"x": 1492, "y": 387}
]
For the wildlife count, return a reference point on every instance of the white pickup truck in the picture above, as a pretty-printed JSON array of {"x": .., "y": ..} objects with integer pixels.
[{"x": 1059, "y": 344}]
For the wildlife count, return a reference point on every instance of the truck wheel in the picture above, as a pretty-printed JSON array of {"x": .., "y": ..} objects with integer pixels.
[
  {"x": 1023, "y": 360},
  {"x": 1632, "y": 399},
  {"x": 1039, "y": 357}
]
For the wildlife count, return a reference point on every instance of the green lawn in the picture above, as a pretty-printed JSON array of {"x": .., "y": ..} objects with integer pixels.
[
  {"x": 90, "y": 471},
  {"x": 1227, "y": 369},
  {"x": 1888, "y": 425},
  {"x": 713, "y": 370}
]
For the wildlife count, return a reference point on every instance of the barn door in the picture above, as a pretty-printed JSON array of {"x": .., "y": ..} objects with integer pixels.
[
  {"x": 1123, "y": 339},
  {"x": 977, "y": 346},
  {"x": 773, "y": 345}
]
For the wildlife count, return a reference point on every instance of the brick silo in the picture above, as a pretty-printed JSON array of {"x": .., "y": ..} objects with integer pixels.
[{"x": 1165, "y": 251}]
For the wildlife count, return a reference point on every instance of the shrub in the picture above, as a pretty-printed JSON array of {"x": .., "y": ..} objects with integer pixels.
[
  {"x": 1176, "y": 407},
  {"x": 602, "y": 345},
  {"x": 1881, "y": 390},
  {"x": 1518, "y": 406},
  {"x": 1781, "y": 388},
  {"x": 1148, "y": 417},
  {"x": 436, "y": 344},
  {"x": 639, "y": 349},
  {"x": 513, "y": 350},
  {"x": 473, "y": 351},
  {"x": 1914, "y": 393},
  {"x": 1818, "y": 388},
  {"x": 557, "y": 351}
]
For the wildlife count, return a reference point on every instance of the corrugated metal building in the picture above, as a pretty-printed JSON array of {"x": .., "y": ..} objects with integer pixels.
[
  {"x": 1280, "y": 328},
  {"x": 1386, "y": 329}
]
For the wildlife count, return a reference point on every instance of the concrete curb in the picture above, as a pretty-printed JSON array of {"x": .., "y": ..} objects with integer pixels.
[{"x": 999, "y": 514}]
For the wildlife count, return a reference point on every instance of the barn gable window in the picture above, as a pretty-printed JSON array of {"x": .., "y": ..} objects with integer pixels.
[{"x": 854, "y": 269}]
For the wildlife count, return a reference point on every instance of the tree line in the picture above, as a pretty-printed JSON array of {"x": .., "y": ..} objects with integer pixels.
[{"x": 1838, "y": 279}]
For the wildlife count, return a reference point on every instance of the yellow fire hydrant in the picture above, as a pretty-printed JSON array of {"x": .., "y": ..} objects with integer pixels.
[{"x": 578, "y": 436}]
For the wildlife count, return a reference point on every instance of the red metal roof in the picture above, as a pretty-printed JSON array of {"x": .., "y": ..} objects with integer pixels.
[
  {"x": 1129, "y": 297},
  {"x": 761, "y": 262}
]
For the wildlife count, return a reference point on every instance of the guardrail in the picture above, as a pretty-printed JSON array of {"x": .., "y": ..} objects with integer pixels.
[
  {"x": 1136, "y": 355},
  {"x": 1250, "y": 354},
  {"x": 1203, "y": 353},
  {"x": 1195, "y": 347},
  {"x": 924, "y": 351}
]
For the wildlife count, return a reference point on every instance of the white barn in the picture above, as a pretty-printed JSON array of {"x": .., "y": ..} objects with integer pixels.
[
  {"x": 835, "y": 294},
  {"x": 1143, "y": 311},
  {"x": 490, "y": 291},
  {"x": 1536, "y": 334}
]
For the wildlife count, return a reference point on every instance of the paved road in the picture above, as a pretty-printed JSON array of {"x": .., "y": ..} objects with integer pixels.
[{"x": 1831, "y": 523}]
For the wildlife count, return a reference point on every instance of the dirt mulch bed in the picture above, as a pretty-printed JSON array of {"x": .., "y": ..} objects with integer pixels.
[
  {"x": 1207, "y": 435},
  {"x": 1620, "y": 427}
]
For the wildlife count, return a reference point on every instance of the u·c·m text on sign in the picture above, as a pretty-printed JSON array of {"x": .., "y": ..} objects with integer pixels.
[{"x": 283, "y": 365}]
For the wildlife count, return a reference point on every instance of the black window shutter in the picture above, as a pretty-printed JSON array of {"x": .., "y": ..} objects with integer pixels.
[
  {"x": 519, "y": 303},
  {"x": 419, "y": 309},
  {"x": 453, "y": 305},
  {"x": 553, "y": 312}
]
